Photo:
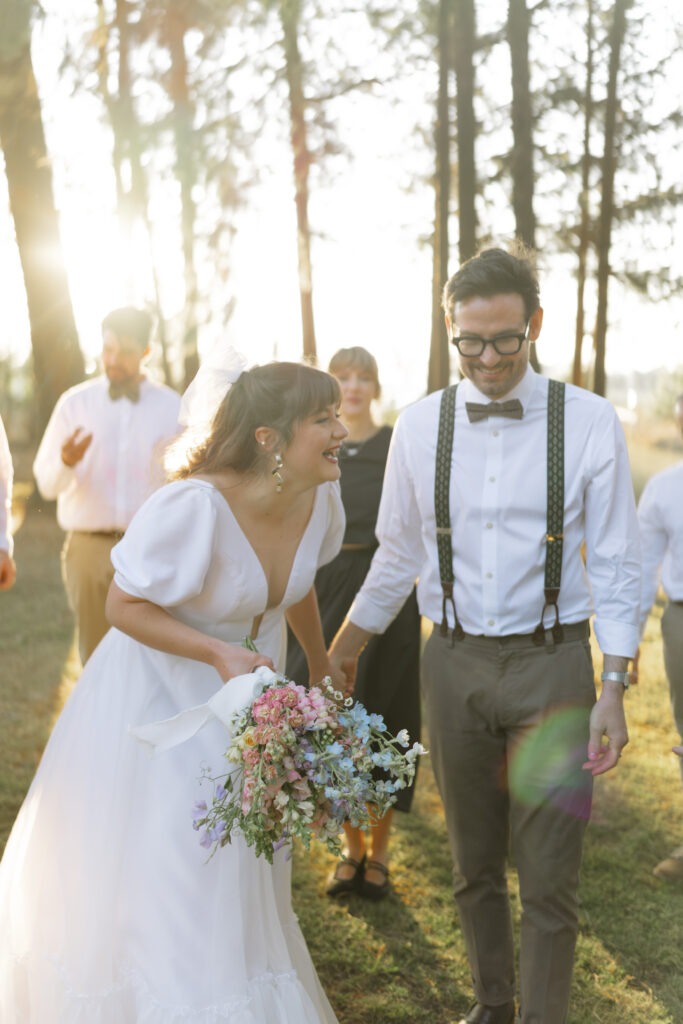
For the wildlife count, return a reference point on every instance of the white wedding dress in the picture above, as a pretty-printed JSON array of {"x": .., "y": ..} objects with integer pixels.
[{"x": 110, "y": 912}]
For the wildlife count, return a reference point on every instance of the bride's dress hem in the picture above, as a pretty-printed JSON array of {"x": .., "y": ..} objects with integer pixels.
[{"x": 279, "y": 998}]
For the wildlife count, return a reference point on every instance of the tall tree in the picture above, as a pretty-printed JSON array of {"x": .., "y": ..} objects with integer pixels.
[
  {"x": 127, "y": 153},
  {"x": 522, "y": 119},
  {"x": 175, "y": 26},
  {"x": 439, "y": 363},
  {"x": 584, "y": 229},
  {"x": 608, "y": 169},
  {"x": 464, "y": 46},
  {"x": 290, "y": 18},
  {"x": 57, "y": 358},
  {"x": 522, "y": 163}
]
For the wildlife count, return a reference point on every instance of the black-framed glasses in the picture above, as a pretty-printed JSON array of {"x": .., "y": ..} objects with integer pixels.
[{"x": 507, "y": 344}]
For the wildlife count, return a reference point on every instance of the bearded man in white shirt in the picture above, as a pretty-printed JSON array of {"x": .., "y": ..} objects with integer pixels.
[
  {"x": 101, "y": 456},
  {"x": 515, "y": 732},
  {"x": 8, "y": 570},
  {"x": 661, "y": 539}
]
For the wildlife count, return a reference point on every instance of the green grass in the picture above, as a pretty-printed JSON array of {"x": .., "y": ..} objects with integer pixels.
[{"x": 402, "y": 961}]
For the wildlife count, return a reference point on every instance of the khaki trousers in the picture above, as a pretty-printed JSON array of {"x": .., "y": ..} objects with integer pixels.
[
  {"x": 672, "y": 642},
  {"x": 508, "y": 732},
  {"x": 87, "y": 572}
]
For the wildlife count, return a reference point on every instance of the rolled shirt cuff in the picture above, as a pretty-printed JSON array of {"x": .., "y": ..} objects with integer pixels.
[{"x": 618, "y": 638}]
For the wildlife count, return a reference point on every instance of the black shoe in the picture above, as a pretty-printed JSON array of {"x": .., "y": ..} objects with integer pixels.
[
  {"x": 480, "y": 1014},
  {"x": 375, "y": 890},
  {"x": 340, "y": 886}
]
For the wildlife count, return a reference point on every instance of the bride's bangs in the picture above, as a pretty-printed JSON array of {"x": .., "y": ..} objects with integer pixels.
[{"x": 315, "y": 390}]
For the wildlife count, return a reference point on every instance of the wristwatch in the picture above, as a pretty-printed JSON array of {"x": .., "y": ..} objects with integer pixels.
[{"x": 616, "y": 677}]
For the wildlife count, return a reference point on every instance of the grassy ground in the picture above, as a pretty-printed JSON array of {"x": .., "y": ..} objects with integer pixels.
[{"x": 402, "y": 961}]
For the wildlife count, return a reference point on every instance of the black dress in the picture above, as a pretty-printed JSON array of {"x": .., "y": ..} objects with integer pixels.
[{"x": 388, "y": 669}]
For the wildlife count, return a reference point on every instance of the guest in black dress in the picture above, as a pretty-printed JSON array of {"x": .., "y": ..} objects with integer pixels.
[{"x": 388, "y": 670}]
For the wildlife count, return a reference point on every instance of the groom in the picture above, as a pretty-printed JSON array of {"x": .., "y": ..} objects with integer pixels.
[{"x": 491, "y": 491}]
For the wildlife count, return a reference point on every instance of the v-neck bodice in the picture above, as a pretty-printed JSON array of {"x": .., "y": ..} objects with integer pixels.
[
  {"x": 301, "y": 546},
  {"x": 186, "y": 551}
]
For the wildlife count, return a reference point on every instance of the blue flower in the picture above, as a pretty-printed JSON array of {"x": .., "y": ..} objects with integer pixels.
[{"x": 382, "y": 759}]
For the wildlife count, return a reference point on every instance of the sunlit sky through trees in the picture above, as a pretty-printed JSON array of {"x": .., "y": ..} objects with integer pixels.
[{"x": 371, "y": 213}]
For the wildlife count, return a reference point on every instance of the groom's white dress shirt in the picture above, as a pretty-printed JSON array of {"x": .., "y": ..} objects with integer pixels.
[{"x": 498, "y": 518}]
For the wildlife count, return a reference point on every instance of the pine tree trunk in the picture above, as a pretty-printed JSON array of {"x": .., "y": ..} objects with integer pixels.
[
  {"x": 522, "y": 132},
  {"x": 131, "y": 199},
  {"x": 522, "y": 124},
  {"x": 439, "y": 363},
  {"x": 183, "y": 130},
  {"x": 57, "y": 358},
  {"x": 584, "y": 203},
  {"x": 609, "y": 161},
  {"x": 465, "y": 38},
  {"x": 290, "y": 13}
]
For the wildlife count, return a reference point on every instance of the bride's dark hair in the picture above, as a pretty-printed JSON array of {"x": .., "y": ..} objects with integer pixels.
[{"x": 276, "y": 395}]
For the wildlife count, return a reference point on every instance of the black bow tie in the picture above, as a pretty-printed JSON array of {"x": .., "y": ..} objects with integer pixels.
[
  {"x": 512, "y": 409},
  {"x": 129, "y": 389}
]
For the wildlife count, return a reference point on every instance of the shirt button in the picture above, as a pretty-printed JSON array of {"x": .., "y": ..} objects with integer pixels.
[
  {"x": 492, "y": 479},
  {"x": 489, "y": 526},
  {"x": 491, "y": 622},
  {"x": 489, "y": 575},
  {"x": 495, "y": 433}
]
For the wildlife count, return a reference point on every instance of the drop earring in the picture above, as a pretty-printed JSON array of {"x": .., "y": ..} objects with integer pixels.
[{"x": 276, "y": 474}]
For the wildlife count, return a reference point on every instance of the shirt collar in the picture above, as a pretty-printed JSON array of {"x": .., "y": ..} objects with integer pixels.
[{"x": 523, "y": 390}]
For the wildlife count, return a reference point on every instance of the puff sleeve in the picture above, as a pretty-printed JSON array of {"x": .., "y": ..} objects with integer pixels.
[
  {"x": 168, "y": 548},
  {"x": 336, "y": 524}
]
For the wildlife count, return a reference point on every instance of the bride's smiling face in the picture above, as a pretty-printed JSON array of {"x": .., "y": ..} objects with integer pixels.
[{"x": 312, "y": 456}]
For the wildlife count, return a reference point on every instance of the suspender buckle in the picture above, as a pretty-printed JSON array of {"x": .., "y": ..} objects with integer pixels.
[
  {"x": 457, "y": 632},
  {"x": 553, "y": 634}
]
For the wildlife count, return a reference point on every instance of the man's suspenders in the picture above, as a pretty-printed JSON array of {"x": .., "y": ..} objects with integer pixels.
[{"x": 554, "y": 517}]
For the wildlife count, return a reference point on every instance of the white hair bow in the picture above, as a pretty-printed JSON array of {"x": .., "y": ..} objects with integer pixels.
[{"x": 214, "y": 378}]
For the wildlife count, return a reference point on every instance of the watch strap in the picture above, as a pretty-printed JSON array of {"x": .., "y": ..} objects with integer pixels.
[{"x": 615, "y": 677}]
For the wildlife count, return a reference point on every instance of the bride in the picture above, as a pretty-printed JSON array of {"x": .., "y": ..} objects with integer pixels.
[{"x": 111, "y": 912}]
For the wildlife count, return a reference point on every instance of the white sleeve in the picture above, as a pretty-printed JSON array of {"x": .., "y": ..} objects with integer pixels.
[
  {"x": 397, "y": 561},
  {"x": 612, "y": 541},
  {"x": 6, "y": 479},
  {"x": 168, "y": 547},
  {"x": 654, "y": 542},
  {"x": 52, "y": 476},
  {"x": 336, "y": 524}
]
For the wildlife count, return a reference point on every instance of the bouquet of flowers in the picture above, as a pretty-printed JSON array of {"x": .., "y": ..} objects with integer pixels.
[{"x": 301, "y": 763}]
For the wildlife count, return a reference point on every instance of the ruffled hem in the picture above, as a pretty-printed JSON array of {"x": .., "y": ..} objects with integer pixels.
[{"x": 269, "y": 998}]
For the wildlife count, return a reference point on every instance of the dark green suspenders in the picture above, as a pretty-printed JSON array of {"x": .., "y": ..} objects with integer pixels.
[
  {"x": 554, "y": 536},
  {"x": 554, "y": 517},
  {"x": 442, "y": 486}
]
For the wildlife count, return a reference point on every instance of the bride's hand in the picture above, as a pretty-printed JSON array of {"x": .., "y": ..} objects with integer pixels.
[{"x": 234, "y": 660}]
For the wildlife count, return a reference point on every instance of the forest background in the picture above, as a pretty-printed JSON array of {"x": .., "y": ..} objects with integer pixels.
[{"x": 302, "y": 175}]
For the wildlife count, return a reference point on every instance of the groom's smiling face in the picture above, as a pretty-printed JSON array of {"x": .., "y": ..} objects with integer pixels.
[{"x": 488, "y": 317}]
